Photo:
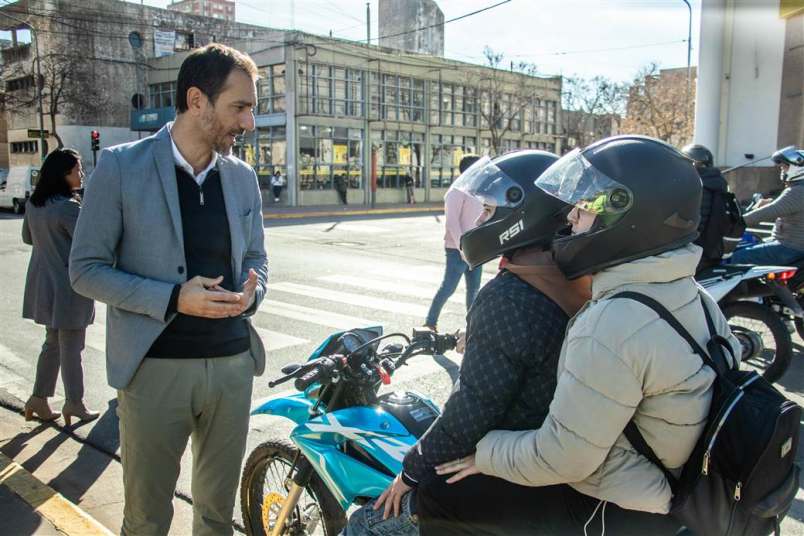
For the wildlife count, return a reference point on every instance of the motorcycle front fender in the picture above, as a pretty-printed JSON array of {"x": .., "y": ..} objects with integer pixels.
[{"x": 294, "y": 407}]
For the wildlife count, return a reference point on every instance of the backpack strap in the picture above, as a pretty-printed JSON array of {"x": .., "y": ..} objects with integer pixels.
[
  {"x": 637, "y": 441},
  {"x": 718, "y": 342},
  {"x": 631, "y": 431}
]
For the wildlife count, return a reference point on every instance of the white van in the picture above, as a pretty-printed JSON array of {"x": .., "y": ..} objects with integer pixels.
[{"x": 16, "y": 187}]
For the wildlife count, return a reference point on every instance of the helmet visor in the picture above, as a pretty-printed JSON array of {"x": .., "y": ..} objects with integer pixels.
[
  {"x": 789, "y": 155},
  {"x": 490, "y": 185},
  {"x": 575, "y": 181}
]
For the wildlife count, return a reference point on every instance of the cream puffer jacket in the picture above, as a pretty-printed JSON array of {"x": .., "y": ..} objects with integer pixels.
[{"x": 619, "y": 361}]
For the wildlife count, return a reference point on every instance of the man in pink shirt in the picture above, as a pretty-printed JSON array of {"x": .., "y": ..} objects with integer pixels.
[{"x": 461, "y": 212}]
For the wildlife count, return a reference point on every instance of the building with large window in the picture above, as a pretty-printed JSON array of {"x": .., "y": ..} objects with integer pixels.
[
  {"x": 93, "y": 56},
  {"x": 336, "y": 114}
]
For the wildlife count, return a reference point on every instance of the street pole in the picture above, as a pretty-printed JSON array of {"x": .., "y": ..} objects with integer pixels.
[
  {"x": 39, "y": 95},
  {"x": 35, "y": 37},
  {"x": 689, "y": 56}
]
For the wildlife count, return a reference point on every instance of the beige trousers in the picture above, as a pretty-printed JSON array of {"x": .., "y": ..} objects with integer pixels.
[{"x": 167, "y": 402}]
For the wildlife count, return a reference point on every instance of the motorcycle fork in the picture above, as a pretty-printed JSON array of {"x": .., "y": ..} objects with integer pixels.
[{"x": 299, "y": 481}]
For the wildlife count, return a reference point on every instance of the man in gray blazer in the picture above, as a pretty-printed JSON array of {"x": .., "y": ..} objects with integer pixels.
[{"x": 171, "y": 238}]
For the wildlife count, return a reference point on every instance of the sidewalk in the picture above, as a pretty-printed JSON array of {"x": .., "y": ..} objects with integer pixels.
[
  {"x": 273, "y": 211},
  {"x": 52, "y": 483}
]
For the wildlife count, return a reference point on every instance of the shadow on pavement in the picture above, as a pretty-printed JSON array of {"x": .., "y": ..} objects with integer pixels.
[
  {"x": 74, "y": 481},
  {"x": 19, "y": 518},
  {"x": 16, "y": 444}
]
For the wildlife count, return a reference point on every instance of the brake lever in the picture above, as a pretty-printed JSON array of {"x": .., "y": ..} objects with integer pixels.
[
  {"x": 281, "y": 380},
  {"x": 300, "y": 370}
]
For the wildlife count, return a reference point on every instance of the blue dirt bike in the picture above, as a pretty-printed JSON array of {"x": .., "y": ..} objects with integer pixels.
[{"x": 349, "y": 442}]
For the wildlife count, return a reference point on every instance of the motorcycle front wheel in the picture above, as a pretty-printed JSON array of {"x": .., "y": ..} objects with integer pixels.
[
  {"x": 264, "y": 487},
  {"x": 766, "y": 342}
]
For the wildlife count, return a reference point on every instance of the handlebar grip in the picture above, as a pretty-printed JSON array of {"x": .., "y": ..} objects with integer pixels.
[
  {"x": 308, "y": 379},
  {"x": 443, "y": 343}
]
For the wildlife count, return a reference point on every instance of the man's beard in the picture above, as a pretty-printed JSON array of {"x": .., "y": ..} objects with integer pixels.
[{"x": 218, "y": 135}]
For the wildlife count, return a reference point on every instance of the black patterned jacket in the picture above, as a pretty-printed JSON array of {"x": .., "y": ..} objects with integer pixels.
[{"x": 507, "y": 378}]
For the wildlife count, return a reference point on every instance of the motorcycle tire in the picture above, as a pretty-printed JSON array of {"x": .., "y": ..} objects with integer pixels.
[
  {"x": 783, "y": 344},
  {"x": 258, "y": 503}
]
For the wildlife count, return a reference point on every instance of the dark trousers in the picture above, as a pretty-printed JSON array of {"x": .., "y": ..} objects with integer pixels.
[
  {"x": 61, "y": 350},
  {"x": 277, "y": 191},
  {"x": 485, "y": 505},
  {"x": 342, "y": 195}
]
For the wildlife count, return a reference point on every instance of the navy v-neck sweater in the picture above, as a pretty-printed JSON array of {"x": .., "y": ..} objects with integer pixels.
[{"x": 208, "y": 253}]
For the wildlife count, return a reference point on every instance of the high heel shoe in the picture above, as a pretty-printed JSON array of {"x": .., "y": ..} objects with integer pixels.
[
  {"x": 37, "y": 407},
  {"x": 79, "y": 410}
]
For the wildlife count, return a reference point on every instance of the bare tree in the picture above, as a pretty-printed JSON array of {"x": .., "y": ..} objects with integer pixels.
[
  {"x": 658, "y": 106},
  {"x": 503, "y": 97},
  {"x": 590, "y": 106},
  {"x": 68, "y": 86}
]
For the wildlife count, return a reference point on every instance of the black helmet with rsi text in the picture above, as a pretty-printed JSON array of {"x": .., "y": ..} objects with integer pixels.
[
  {"x": 645, "y": 195},
  {"x": 700, "y": 155},
  {"x": 517, "y": 213}
]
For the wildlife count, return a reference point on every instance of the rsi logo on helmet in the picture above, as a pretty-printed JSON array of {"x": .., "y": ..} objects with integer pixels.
[{"x": 511, "y": 232}]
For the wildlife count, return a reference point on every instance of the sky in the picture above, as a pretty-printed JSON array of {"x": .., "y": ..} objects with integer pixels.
[{"x": 611, "y": 38}]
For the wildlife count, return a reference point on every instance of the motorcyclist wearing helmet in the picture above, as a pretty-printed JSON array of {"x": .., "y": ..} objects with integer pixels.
[
  {"x": 514, "y": 330},
  {"x": 786, "y": 245},
  {"x": 636, "y": 210},
  {"x": 715, "y": 192}
]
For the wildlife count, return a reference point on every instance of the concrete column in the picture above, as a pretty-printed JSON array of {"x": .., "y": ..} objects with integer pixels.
[
  {"x": 291, "y": 126},
  {"x": 367, "y": 134},
  {"x": 710, "y": 75}
]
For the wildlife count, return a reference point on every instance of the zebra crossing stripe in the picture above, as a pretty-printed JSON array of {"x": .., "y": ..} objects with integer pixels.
[
  {"x": 384, "y": 286},
  {"x": 370, "y": 302},
  {"x": 422, "y": 273},
  {"x": 274, "y": 340},
  {"x": 9, "y": 358},
  {"x": 311, "y": 315}
]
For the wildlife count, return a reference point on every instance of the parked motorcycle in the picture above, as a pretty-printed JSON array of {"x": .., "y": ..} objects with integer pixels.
[
  {"x": 750, "y": 298},
  {"x": 349, "y": 442}
]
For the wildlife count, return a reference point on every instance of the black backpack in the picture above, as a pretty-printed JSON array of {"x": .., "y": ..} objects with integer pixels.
[
  {"x": 741, "y": 477},
  {"x": 725, "y": 221}
]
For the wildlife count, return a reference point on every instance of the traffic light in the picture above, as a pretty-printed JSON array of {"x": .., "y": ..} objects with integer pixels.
[{"x": 95, "y": 135}]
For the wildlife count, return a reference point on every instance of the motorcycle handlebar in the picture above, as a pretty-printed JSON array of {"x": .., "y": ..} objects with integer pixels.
[
  {"x": 424, "y": 341},
  {"x": 323, "y": 369}
]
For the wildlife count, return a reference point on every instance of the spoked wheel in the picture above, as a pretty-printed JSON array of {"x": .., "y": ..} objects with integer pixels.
[
  {"x": 264, "y": 488},
  {"x": 766, "y": 343}
]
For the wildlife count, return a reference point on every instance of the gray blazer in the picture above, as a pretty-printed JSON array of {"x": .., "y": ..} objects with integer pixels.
[
  {"x": 48, "y": 298},
  {"x": 128, "y": 248}
]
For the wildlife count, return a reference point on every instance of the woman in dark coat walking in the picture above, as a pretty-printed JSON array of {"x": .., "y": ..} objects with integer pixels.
[{"x": 50, "y": 218}]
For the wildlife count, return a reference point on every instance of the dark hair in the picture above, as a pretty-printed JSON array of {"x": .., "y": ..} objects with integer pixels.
[
  {"x": 467, "y": 161},
  {"x": 52, "y": 176},
  {"x": 207, "y": 68}
]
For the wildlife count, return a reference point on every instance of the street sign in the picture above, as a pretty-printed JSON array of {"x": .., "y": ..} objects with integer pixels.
[{"x": 34, "y": 133}]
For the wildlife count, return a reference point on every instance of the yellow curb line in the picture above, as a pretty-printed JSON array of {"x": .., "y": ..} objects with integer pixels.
[
  {"x": 366, "y": 212},
  {"x": 63, "y": 514}
]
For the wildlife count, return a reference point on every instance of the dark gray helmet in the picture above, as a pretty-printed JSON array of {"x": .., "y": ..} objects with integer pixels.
[
  {"x": 646, "y": 196},
  {"x": 518, "y": 214},
  {"x": 700, "y": 155}
]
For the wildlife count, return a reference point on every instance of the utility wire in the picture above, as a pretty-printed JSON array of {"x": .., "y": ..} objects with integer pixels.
[{"x": 445, "y": 22}]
